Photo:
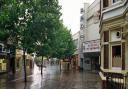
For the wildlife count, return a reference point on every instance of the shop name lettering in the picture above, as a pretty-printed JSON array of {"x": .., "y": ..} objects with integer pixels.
[{"x": 92, "y": 45}]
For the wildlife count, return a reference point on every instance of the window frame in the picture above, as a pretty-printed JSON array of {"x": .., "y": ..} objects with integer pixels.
[{"x": 115, "y": 1}]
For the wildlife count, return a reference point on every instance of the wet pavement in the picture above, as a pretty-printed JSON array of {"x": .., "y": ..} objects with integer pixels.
[{"x": 52, "y": 78}]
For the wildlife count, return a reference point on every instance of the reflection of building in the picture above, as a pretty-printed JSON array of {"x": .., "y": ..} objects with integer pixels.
[
  {"x": 75, "y": 57},
  {"x": 91, "y": 43},
  {"x": 114, "y": 37}
]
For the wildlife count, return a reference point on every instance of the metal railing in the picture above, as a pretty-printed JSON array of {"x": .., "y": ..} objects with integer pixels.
[{"x": 116, "y": 81}]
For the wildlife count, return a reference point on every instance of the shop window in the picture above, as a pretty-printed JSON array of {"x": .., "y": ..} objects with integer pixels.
[
  {"x": 27, "y": 62},
  {"x": 116, "y": 56},
  {"x": 106, "y": 36},
  {"x": 87, "y": 61},
  {"x": 81, "y": 18},
  {"x": 105, "y": 3},
  {"x": 3, "y": 65}
]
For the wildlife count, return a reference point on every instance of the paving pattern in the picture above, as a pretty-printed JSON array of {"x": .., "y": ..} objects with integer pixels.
[{"x": 53, "y": 78}]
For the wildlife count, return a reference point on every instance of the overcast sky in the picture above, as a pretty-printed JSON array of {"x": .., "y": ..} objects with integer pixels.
[{"x": 71, "y": 13}]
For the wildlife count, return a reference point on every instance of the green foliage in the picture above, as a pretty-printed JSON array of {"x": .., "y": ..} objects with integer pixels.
[
  {"x": 35, "y": 25},
  {"x": 3, "y": 36},
  {"x": 46, "y": 21},
  {"x": 63, "y": 43}
]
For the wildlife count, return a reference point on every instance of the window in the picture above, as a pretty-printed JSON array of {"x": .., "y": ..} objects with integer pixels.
[
  {"x": 81, "y": 26},
  {"x": 106, "y": 36},
  {"x": 87, "y": 61},
  {"x": 81, "y": 10},
  {"x": 76, "y": 43},
  {"x": 116, "y": 56},
  {"x": 105, "y": 3},
  {"x": 116, "y": 50},
  {"x": 114, "y": 1}
]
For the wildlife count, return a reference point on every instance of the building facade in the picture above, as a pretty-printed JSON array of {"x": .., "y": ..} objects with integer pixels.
[
  {"x": 11, "y": 59},
  {"x": 91, "y": 43},
  {"x": 7, "y": 58},
  {"x": 75, "y": 62},
  {"x": 114, "y": 38},
  {"x": 19, "y": 60},
  {"x": 82, "y": 37}
]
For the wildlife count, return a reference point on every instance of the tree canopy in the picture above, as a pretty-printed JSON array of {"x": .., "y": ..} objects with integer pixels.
[{"x": 36, "y": 26}]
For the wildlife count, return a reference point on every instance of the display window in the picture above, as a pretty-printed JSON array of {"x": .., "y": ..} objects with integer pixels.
[{"x": 3, "y": 65}]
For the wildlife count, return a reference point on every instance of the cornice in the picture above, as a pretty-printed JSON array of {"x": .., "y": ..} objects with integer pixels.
[{"x": 115, "y": 17}]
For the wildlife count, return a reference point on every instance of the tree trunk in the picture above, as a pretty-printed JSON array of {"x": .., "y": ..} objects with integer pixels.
[
  {"x": 24, "y": 62},
  {"x": 60, "y": 65},
  {"x": 42, "y": 66}
]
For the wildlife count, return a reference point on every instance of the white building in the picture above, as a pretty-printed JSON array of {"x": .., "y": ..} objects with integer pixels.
[
  {"x": 82, "y": 36},
  {"x": 91, "y": 43},
  {"x": 76, "y": 56}
]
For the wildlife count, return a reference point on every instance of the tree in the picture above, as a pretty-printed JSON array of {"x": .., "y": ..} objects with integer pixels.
[
  {"x": 46, "y": 20},
  {"x": 26, "y": 31},
  {"x": 34, "y": 25},
  {"x": 15, "y": 22},
  {"x": 63, "y": 45}
]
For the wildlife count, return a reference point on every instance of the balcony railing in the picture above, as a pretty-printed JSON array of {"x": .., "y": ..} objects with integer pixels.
[{"x": 115, "y": 80}]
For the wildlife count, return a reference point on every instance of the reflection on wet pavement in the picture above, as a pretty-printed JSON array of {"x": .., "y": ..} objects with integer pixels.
[{"x": 52, "y": 78}]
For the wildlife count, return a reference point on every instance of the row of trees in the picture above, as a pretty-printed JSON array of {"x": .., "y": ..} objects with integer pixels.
[{"x": 35, "y": 26}]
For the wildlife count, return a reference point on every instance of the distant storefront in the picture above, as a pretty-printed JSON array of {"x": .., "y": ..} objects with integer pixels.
[
  {"x": 3, "y": 62},
  {"x": 91, "y": 50},
  {"x": 75, "y": 61},
  {"x": 19, "y": 60}
]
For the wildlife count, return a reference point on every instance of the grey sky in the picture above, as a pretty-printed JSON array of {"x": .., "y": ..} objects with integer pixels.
[{"x": 71, "y": 13}]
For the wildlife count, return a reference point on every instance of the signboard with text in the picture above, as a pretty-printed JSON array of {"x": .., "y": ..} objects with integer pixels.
[{"x": 91, "y": 46}]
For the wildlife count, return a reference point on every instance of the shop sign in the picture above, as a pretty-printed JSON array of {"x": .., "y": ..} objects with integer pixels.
[{"x": 91, "y": 46}]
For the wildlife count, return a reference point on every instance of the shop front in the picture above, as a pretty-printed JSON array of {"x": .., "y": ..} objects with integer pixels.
[
  {"x": 91, "y": 55},
  {"x": 19, "y": 60},
  {"x": 3, "y": 63},
  {"x": 92, "y": 61}
]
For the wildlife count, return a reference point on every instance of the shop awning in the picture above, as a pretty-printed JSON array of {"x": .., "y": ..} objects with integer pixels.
[{"x": 91, "y": 54}]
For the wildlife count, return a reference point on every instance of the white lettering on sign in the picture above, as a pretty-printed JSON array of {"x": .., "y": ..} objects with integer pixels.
[{"x": 91, "y": 46}]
